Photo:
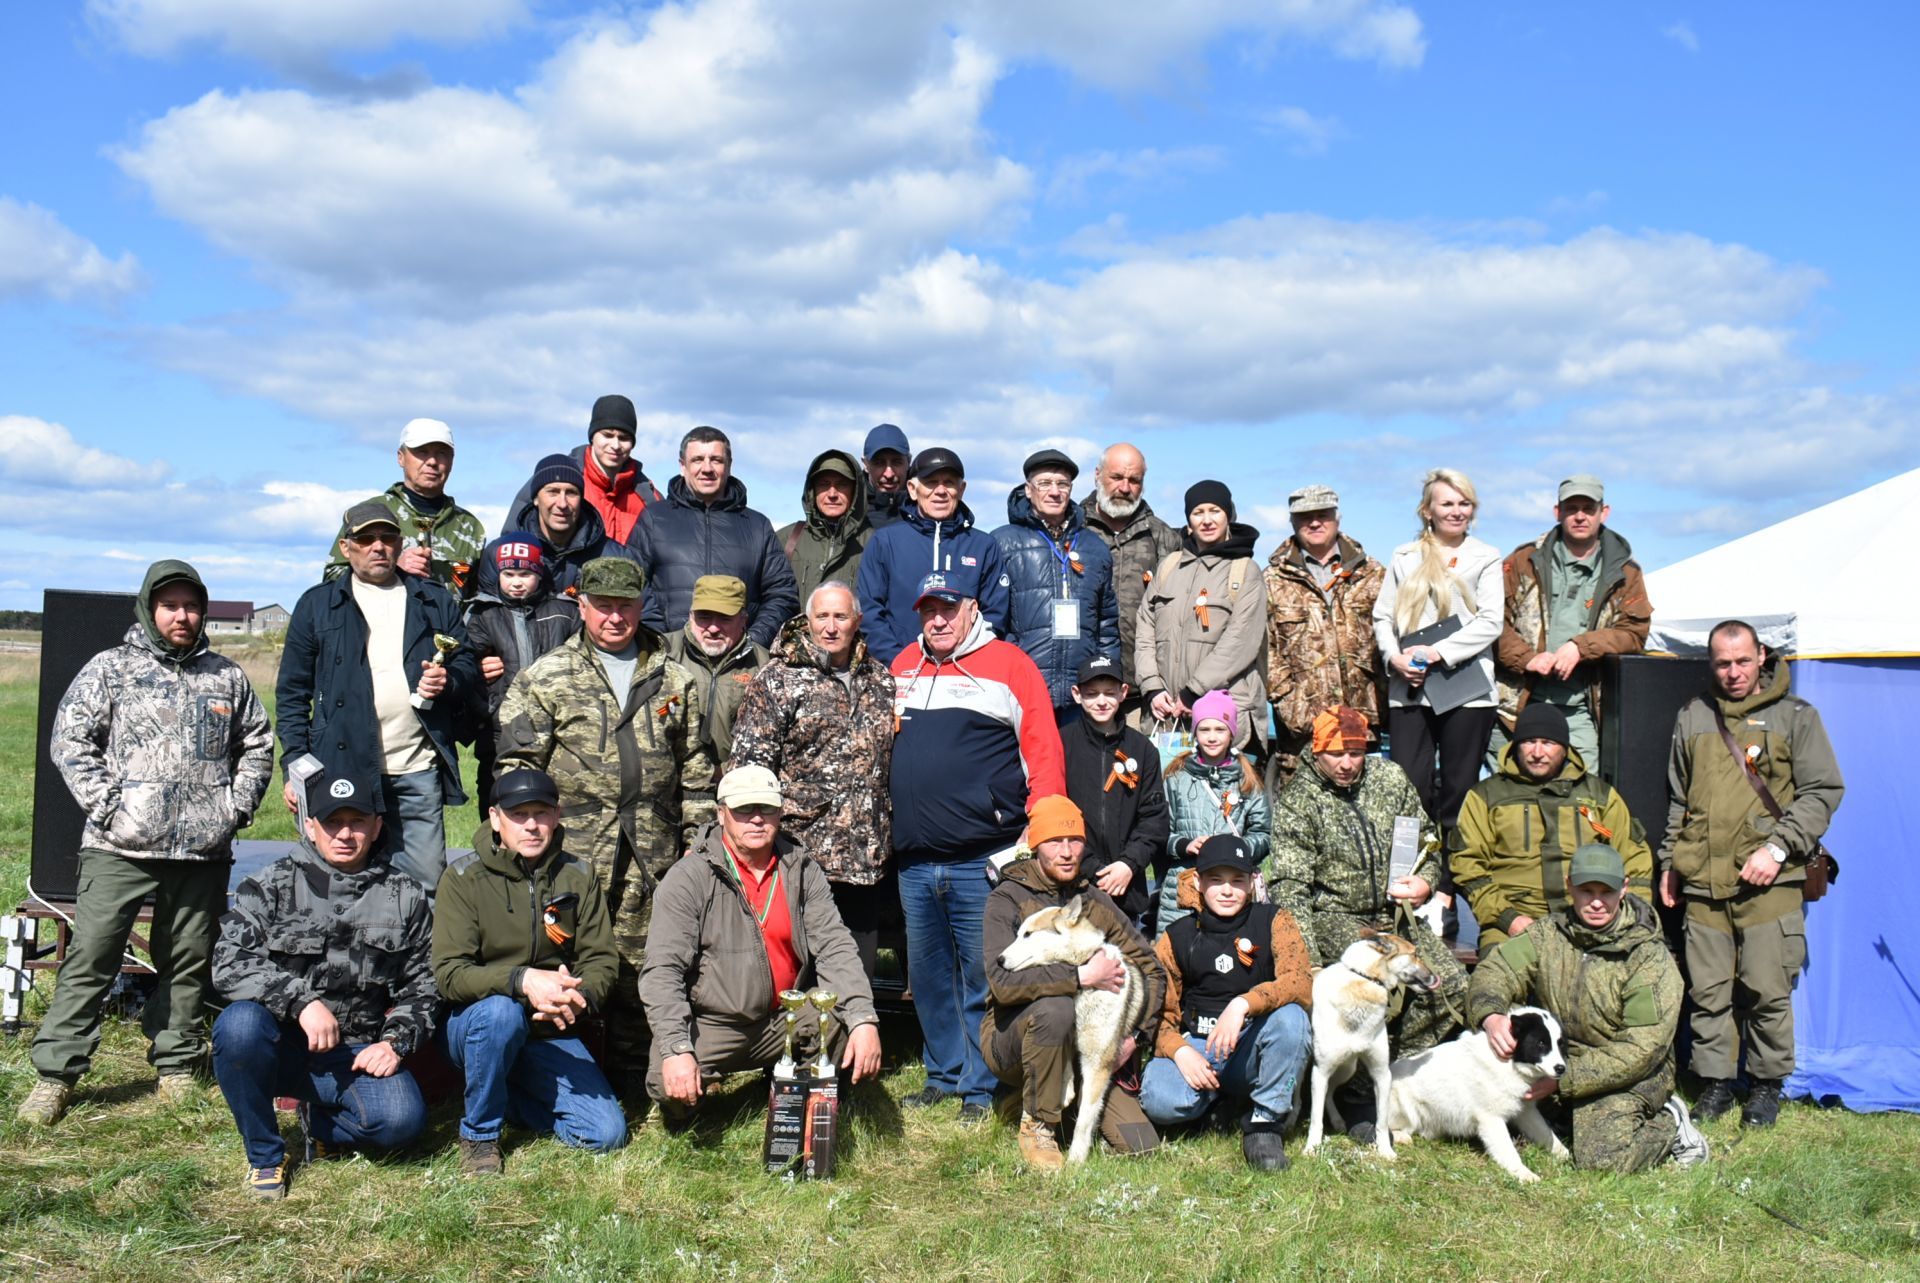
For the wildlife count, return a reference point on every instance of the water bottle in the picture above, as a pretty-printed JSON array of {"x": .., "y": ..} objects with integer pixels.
[{"x": 1419, "y": 662}]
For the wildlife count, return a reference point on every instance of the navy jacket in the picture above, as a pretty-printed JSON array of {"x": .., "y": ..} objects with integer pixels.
[
  {"x": 324, "y": 699},
  {"x": 899, "y": 556},
  {"x": 1035, "y": 573},
  {"x": 678, "y": 541},
  {"x": 589, "y": 543}
]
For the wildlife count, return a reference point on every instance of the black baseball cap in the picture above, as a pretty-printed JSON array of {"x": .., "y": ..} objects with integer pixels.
[
  {"x": 1224, "y": 851},
  {"x": 936, "y": 459},
  {"x": 332, "y": 791},
  {"x": 1099, "y": 666},
  {"x": 517, "y": 788}
]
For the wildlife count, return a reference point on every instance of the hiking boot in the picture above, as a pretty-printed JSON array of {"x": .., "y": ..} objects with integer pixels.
[
  {"x": 928, "y": 1095},
  {"x": 267, "y": 1183},
  {"x": 1715, "y": 1099},
  {"x": 46, "y": 1104},
  {"x": 178, "y": 1088},
  {"x": 1763, "y": 1104},
  {"x": 973, "y": 1113},
  {"x": 1689, "y": 1146},
  {"x": 479, "y": 1157},
  {"x": 1038, "y": 1145},
  {"x": 1263, "y": 1145}
]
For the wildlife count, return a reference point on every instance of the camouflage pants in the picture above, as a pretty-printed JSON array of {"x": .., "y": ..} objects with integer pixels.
[
  {"x": 1626, "y": 1131},
  {"x": 630, "y": 906}
]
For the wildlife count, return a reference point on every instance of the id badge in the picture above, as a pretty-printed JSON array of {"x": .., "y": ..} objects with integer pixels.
[{"x": 1066, "y": 618}]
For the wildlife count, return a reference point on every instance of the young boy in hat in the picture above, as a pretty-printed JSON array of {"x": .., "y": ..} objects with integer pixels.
[
  {"x": 1234, "y": 1024},
  {"x": 515, "y": 618},
  {"x": 1113, "y": 776}
]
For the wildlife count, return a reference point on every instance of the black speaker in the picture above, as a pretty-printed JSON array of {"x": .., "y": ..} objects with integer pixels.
[
  {"x": 75, "y": 626},
  {"x": 1640, "y": 696}
]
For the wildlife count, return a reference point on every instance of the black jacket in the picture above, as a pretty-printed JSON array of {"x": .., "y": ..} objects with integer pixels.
[
  {"x": 884, "y": 508},
  {"x": 550, "y": 619},
  {"x": 324, "y": 699},
  {"x": 589, "y": 543},
  {"x": 642, "y": 485},
  {"x": 682, "y": 539},
  {"x": 1124, "y": 822}
]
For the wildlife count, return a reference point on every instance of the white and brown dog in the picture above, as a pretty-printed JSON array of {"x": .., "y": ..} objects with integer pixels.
[
  {"x": 1350, "y": 1000},
  {"x": 1101, "y": 1019},
  {"x": 1461, "y": 1089}
]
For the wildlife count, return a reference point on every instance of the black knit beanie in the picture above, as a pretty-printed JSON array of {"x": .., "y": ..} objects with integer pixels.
[
  {"x": 557, "y": 467},
  {"x": 1213, "y": 492},
  {"x": 613, "y": 411},
  {"x": 1541, "y": 721}
]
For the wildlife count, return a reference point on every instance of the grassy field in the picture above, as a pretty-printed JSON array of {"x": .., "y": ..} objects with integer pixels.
[{"x": 130, "y": 1189}]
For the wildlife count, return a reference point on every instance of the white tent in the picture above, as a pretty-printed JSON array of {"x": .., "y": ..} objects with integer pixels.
[{"x": 1840, "y": 570}]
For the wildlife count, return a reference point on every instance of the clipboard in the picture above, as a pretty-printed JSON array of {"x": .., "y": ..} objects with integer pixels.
[{"x": 1448, "y": 687}]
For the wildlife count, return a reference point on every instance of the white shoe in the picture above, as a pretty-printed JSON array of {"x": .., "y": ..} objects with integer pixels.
[{"x": 1689, "y": 1146}]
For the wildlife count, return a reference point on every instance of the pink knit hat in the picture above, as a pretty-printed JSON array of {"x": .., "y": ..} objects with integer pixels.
[{"x": 1216, "y": 706}]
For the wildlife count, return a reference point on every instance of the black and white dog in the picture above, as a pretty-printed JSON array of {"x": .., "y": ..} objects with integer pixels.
[{"x": 1462, "y": 1089}]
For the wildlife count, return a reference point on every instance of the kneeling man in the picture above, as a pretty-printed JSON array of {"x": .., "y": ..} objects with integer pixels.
[
  {"x": 744, "y": 915},
  {"x": 523, "y": 948},
  {"x": 1601, "y": 966},
  {"x": 1027, "y": 1036},
  {"x": 325, "y": 962}
]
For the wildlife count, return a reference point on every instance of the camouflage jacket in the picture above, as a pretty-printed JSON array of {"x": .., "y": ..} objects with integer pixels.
[
  {"x": 1138, "y": 549},
  {"x": 452, "y": 536},
  {"x": 167, "y": 755},
  {"x": 722, "y": 682},
  {"x": 1320, "y": 648},
  {"x": 619, "y": 760},
  {"x": 1614, "y": 988},
  {"x": 362, "y": 943},
  {"x": 1332, "y": 851},
  {"x": 830, "y": 743},
  {"x": 1618, "y": 618}
]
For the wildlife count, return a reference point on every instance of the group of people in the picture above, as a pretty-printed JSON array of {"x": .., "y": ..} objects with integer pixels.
[{"x": 774, "y": 749}]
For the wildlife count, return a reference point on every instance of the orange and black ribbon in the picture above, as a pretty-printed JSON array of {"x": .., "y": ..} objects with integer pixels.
[
  {"x": 1586, "y": 813},
  {"x": 1125, "y": 769}
]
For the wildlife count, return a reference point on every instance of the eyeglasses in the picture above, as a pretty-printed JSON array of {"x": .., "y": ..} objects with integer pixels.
[{"x": 1046, "y": 487}]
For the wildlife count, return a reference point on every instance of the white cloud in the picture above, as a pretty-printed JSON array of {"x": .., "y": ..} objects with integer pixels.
[
  {"x": 1144, "y": 167},
  {"x": 1681, "y": 33},
  {"x": 1311, "y": 134},
  {"x": 297, "y": 31},
  {"x": 41, "y": 256},
  {"x": 45, "y": 455}
]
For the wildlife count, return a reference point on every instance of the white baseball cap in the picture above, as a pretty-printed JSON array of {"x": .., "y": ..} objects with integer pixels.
[{"x": 419, "y": 432}]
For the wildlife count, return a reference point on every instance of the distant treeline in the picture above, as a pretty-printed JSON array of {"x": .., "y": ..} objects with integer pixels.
[{"x": 28, "y": 619}]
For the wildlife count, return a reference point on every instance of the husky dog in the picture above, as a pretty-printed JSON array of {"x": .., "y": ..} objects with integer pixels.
[
  {"x": 1101, "y": 1019},
  {"x": 1350, "y": 1026},
  {"x": 1461, "y": 1089}
]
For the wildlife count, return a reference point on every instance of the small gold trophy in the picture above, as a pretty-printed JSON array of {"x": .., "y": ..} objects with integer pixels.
[
  {"x": 443, "y": 646},
  {"x": 823, "y": 1001},
  {"x": 791, "y": 1003}
]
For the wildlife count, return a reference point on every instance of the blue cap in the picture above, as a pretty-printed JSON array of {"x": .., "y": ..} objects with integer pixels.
[
  {"x": 885, "y": 436},
  {"x": 947, "y": 585}
]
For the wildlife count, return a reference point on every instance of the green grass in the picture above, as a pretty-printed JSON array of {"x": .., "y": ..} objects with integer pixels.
[{"x": 129, "y": 1189}]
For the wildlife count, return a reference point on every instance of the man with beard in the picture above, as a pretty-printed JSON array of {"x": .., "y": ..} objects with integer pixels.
[
  {"x": 1140, "y": 541},
  {"x": 715, "y": 649}
]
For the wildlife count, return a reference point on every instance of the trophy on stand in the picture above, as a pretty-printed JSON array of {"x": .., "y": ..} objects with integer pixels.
[
  {"x": 791, "y": 1001},
  {"x": 443, "y": 646},
  {"x": 823, "y": 1001},
  {"x": 785, "y": 1147},
  {"x": 823, "y": 1099}
]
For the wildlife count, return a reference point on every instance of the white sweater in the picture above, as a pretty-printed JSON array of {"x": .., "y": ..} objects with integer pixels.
[{"x": 1479, "y": 566}]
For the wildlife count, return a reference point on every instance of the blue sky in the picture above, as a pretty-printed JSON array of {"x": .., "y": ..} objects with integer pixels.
[{"x": 1275, "y": 242}]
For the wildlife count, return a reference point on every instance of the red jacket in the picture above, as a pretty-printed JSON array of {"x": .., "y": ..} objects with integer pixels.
[{"x": 617, "y": 501}]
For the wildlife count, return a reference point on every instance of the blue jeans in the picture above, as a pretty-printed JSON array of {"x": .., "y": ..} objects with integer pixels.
[
  {"x": 256, "y": 1057},
  {"x": 1264, "y": 1067},
  {"x": 416, "y": 825},
  {"x": 945, "y": 908},
  {"x": 542, "y": 1084}
]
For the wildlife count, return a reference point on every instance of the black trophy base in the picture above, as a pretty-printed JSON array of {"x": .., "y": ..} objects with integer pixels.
[{"x": 803, "y": 1124}]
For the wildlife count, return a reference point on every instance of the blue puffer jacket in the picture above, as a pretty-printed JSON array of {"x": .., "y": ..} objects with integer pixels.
[
  {"x": 678, "y": 541},
  {"x": 1034, "y": 568},
  {"x": 901, "y": 555}
]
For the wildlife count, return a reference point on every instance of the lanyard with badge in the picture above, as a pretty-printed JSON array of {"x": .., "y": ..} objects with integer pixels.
[{"x": 1066, "y": 608}]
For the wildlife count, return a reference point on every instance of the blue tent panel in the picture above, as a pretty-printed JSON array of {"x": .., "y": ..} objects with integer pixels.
[{"x": 1857, "y": 1009}]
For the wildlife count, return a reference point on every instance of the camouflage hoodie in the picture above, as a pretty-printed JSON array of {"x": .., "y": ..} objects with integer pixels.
[
  {"x": 167, "y": 751},
  {"x": 831, "y": 743},
  {"x": 1614, "y": 989},
  {"x": 361, "y": 942}
]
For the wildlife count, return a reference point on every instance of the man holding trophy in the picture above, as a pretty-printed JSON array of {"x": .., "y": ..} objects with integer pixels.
[{"x": 743, "y": 926}]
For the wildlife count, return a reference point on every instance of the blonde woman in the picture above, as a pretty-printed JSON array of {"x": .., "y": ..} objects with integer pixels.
[{"x": 1444, "y": 574}]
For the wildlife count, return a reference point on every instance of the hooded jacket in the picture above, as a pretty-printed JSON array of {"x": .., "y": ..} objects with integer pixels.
[
  {"x": 168, "y": 751},
  {"x": 515, "y": 631},
  {"x": 1615, "y": 990},
  {"x": 300, "y": 930},
  {"x": 883, "y": 507},
  {"x": 899, "y": 556},
  {"x": 1714, "y": 819},
  {"x": 1125, "y": 821},
  {"x": 1320, "y": 646},
  {"x": 974, "y": 747},
  {"x": 823, "y": 548},
  {"x": 1037, "y": 579},
  {"x": 830, "y": 742},
  {"x": 682, "y": 539},
  {"x": 1023, "y": 891},
  {"x": 1516, "y": 836},
  {"x": 452, "y": 534},
  {"x": 1138, "y": 548},
  {"x": 619, "y": 501},
  {"x": 1619, "y": 616},
  {"x": 1186, "y": 649},
  {"x": 588, "y": 542},
  {"x": 494, "y": 918},
  {"x": 324, "y": 697},
  {"x": 706, "y": 958}
]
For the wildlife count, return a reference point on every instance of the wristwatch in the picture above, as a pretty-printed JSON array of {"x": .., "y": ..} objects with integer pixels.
[{"x": 1775, "y": 853}]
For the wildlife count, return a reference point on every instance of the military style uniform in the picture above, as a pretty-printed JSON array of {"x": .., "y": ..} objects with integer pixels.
[
  {"x": 452, "y": 536},
  {"x": 722, "y": 682},
  {"x": 1616, "y": 993},
  {"x": 1320, "y": 644}
]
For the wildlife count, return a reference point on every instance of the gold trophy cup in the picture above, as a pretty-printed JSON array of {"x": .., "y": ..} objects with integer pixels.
[{"x": 443, "y": 646}]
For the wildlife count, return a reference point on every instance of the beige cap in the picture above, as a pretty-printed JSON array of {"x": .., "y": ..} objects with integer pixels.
[
  {"x": 722, "y": 594},
  {"x": 748, "y": 786}
]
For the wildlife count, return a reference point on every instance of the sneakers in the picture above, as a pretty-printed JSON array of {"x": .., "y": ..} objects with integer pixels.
[
  {"x": 178, "y": 1088},
  {"x": 928, "y": 1095},
  {"x": 479, "y": 1157},
  {"x": 973, "y": 1113},
  {"x": 46, "y": 1104},
  {"x": 1689, "y": 1146},
  {"x": 1715, "y": 1100},
  {"x": 1263, "y": 1145},
  {"x": 1763, "y": 1104},
  {"x": 267, "y": 1183},
  {"x": 1038, "y": 1145}
]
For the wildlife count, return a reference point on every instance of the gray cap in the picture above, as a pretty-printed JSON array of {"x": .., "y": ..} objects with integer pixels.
[
  {"x": 1314, "y": 498},
  {"x": 1582, "y": 485},
  {"x": 1597, "y": 862}
]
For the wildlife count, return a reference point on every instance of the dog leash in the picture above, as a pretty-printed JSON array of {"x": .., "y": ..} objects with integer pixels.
[{"x": 1404, "y": 921}]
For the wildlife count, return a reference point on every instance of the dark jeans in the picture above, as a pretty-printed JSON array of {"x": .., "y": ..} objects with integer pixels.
[
  {"x": 945, "y": 907},
  {"x": 256, "y": 1057},
  {"x": 542, "y": 1084},
  {"x": 188, "y": 897}
]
